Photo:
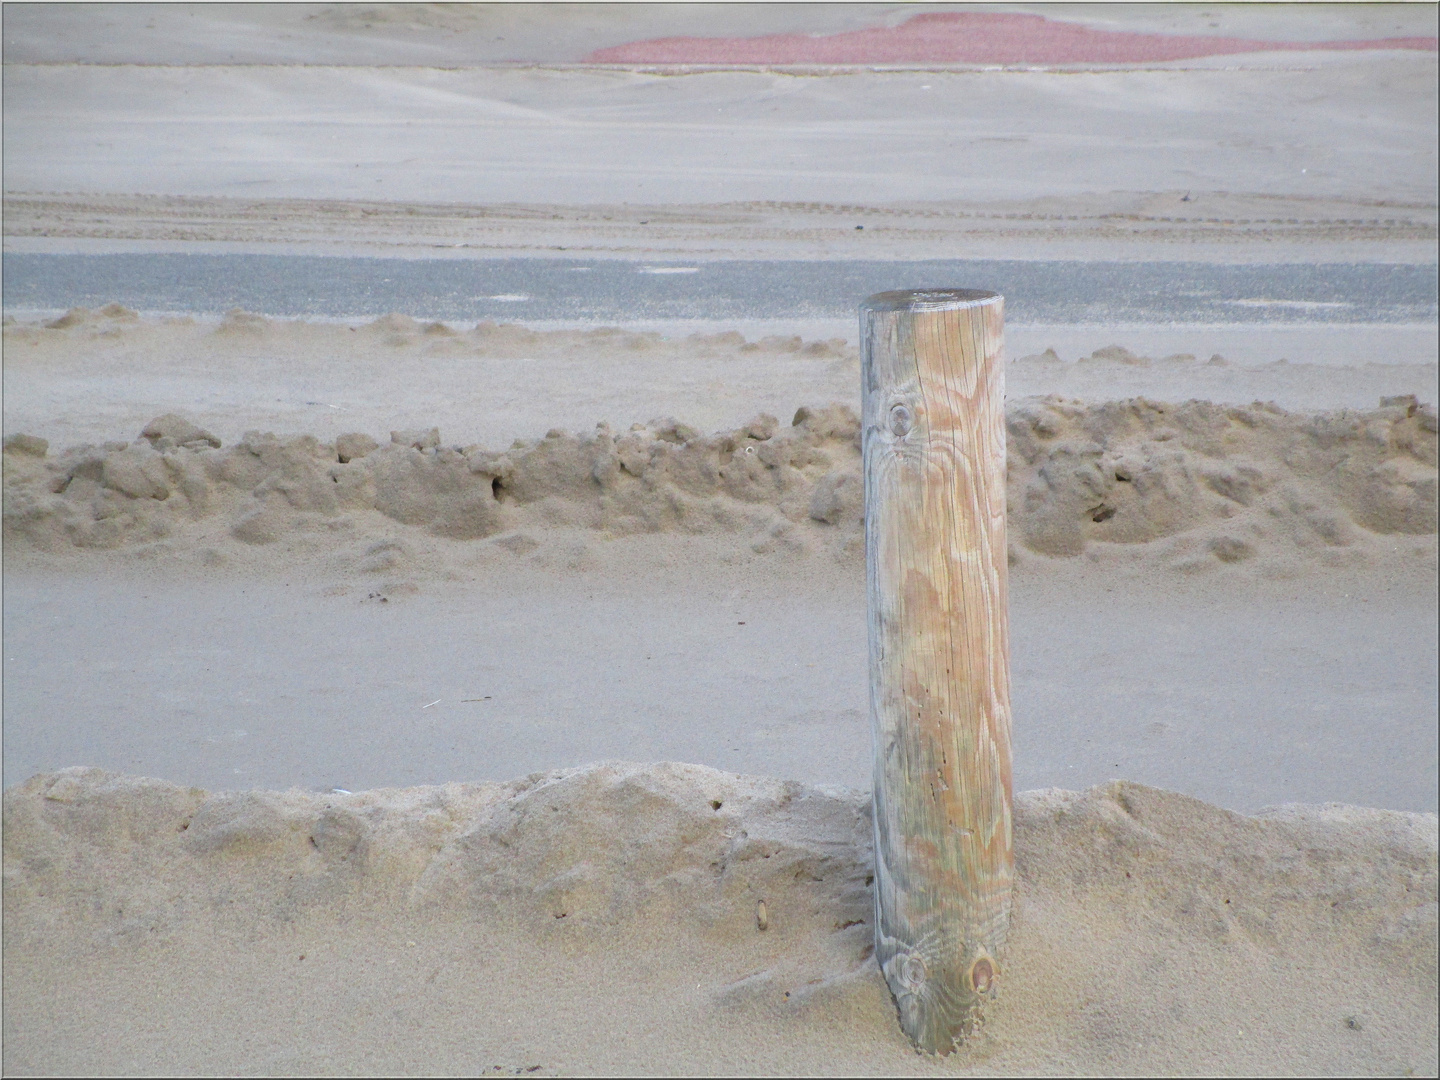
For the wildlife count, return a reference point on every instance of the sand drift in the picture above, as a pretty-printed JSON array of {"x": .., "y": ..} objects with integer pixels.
[
  {"x": 1184, "y": 485},
  {"x": 1151, "y": 931},
  {"x": 720, "y": 921}
]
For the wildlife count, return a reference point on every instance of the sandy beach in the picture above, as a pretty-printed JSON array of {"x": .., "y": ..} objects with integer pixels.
[
  {"x": 405, "y": 693},
  {"x": 436, "y": 609},
  {"x": 531, "y": 927}
]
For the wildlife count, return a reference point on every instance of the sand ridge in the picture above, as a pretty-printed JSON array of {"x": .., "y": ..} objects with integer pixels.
[
  {"x": 1152, "y": 932},
  {"x": 1187, "y": 485}
]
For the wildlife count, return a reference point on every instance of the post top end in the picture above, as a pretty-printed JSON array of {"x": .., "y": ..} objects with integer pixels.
[{"x": 930, "y": 299}]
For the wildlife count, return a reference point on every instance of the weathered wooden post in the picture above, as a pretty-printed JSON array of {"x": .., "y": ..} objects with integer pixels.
[{"x": 935, "y": 555}]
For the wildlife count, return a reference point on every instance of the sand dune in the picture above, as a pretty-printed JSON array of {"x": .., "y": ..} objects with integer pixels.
[
  {"x": 423, "y": 928},
  {"x": 582, "y": 136},
  {"x": 976, "y": 37},
  {"x": 454, "y": 36},
  {"x": 1183, "y": 484}
]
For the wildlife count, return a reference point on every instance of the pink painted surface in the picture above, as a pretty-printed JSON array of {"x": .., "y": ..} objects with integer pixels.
[{"x": 967, "y": 38}]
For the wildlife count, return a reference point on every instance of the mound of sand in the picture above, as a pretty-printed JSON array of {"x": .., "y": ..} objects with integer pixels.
[
  {"x": 1189, "y": 485},
  {"x": 1152, "y": 932},
  {"x": 1225, "y": 480}
]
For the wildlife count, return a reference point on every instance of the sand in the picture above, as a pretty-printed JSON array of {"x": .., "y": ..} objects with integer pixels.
[
  {"x": 584, "y": 136},
  {"x": 103, "y": 375},
  {"x": 389, "y": 609},
  {"x": 410, "y": 34},
  {"x": 1187, "y": 484},
  {"x": 534, "y": 926},
  {"x": 1167, "y": 225},
  {"x": 622, "y": 933},
  {"x": 1224, "y": 687}
]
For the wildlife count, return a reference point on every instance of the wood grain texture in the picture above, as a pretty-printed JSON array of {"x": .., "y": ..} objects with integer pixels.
[{"x": 934, "y": 452}]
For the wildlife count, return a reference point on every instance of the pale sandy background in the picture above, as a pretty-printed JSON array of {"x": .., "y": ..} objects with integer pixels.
[{"x": 157, "y": 928}]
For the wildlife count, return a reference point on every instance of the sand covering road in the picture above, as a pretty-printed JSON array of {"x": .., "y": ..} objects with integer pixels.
[{"x": 1182, "y": 484}]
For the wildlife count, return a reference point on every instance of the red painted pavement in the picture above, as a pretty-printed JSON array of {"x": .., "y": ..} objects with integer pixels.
[{"x": 967, "y": 38}]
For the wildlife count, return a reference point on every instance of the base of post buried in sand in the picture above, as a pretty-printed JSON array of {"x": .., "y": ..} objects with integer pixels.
[{"x": 934, "y": 459}]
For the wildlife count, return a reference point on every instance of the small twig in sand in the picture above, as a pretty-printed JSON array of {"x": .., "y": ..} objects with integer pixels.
[{"x": 435, "y": 702}]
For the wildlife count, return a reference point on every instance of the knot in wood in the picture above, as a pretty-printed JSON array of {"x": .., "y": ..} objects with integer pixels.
[
  {"x": 901, "y": 420},
  {"x": 913, "y": 973},
  {"x": 982, "y": 975}
]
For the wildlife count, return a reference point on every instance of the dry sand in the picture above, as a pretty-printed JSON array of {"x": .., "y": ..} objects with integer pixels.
[
  {"x": 1224, "y": 598},
  {"x": 457, "y": 35},
  {"x": 1187, "y": 484},
  {"x": 1222, "y": 686},
  {"x": 606, "y": 919},
  {"x": 603, "y": 918},
  {"x": 1168, "y": 225},
  {"x": 664, "y": 590},
  {"x": 103, "y": 375},
  {"x": 486, "y": 136}
]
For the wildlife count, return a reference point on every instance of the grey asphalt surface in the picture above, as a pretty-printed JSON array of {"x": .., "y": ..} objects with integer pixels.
[{"x": 534, "y": 289}]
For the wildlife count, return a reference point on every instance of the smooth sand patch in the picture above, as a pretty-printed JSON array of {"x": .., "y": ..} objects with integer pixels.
[{"x": 582, "y": 136}]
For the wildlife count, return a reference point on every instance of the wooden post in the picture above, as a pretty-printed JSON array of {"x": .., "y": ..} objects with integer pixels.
[{"x": 935, "y": 555}]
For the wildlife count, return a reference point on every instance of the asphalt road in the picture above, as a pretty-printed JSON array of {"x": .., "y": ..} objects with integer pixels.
[{"x": 1062, "y": 292}]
